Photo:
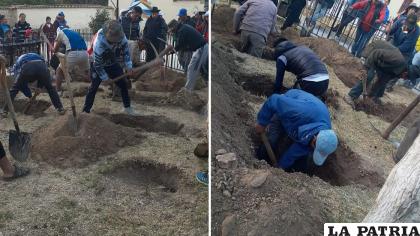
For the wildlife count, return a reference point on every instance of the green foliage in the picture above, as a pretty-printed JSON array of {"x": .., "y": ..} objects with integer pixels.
[
  {"x": 51, "y": 2},
  {"x": 96, "y": 22}
]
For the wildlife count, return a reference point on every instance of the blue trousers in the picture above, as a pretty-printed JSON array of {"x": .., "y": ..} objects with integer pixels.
[{"x": 361, "y": 40}]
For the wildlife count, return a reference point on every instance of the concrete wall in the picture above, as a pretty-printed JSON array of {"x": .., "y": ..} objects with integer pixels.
[
  {"x": 169, "y": 8},
  {"x": 77, "y": 16}
]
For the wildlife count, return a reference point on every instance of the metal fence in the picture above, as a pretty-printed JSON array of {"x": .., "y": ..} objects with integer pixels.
[
  {"x": 333, "y": 18},
  {"x": 13, "y": 50}
]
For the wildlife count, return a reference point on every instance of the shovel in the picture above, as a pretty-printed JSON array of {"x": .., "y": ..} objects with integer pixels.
[
  {"x": 63, "y": 62},
  {"x": 31, "y": 102},
  {"x": 364, "y": 82},
  {"x": 19, "y": 142},
  {"x": 269, "y": 149}
]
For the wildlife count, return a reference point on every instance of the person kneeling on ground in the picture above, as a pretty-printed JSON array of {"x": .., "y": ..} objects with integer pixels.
[
  {"x": 387, "y": 62},
  {"x": 10, "y": 171},
  {"x": 255, "y": 19},
  {"x": 29, "y": 68},
  {"x": 311, "y": 72},
  {"x": 76, "y": 56},
  {"x": 189, "y": 39},
  {"x": 303, "y": 118},
  {"x": 110, "y": 48}
]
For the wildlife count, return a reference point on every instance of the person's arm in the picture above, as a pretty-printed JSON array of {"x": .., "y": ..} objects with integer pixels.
[
  {"x": 359, "y": 5},
  {"x": 239, "y": 14},
  {"x": 127, "y": 58},
  {"x": 180, "y": 41},
  {"x": 382, "y": 14},
  {"x": 395, "y": 27},
  {"x": 58, "y": 41},
  {"x": 273, "y": 26},
  {"x": 281, "y": 68},
  {"x": 295, "y": 152},
  {"x": 268, "y": 110}
]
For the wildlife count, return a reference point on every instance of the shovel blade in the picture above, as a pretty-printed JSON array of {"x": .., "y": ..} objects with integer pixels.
[{"x": 19, "y": 145}]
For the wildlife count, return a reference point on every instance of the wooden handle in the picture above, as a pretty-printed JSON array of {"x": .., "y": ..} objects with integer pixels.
[
  {"x": 63, "y": 62},
  {"x": 401, "y": 117},
  {"x": 8, "y": 98},
  {"x": 269, "y": 149}
]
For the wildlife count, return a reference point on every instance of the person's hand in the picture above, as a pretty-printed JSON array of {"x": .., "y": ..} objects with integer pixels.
[
  {"x": 130, "y": 72},
  {"x": 259, "y": 129},
  {"x": 235, "y": 32},
  {"x": 404, "y": 75}
]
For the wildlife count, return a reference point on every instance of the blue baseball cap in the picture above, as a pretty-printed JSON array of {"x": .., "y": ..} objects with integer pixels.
[
  {"x": 326, "y": 143},
  {"x": 182, "y": 12},
  {"x": 61, "y": 13}
]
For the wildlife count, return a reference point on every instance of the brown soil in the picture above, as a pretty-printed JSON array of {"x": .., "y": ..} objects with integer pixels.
[
  {"x": 187, "y": 100},
  {"x": 151, "y": 81},
  {"x": 387, "y": 111},
  {"x": 96, "y": 137},
  {"x": 36, "y": 109},
  {"x": 158, "y": 124}
]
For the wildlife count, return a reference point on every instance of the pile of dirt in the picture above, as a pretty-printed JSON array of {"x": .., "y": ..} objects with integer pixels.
[
  {"x": 186, "y": 100},
  {"x": 95, "y": 137},
  {"x": 222, "y": 25},
  {"x": 151, "y": 81},
  {"x": 387, "y": 111}
]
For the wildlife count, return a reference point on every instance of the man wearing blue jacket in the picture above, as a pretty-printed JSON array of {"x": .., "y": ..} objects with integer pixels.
[
  {"x": 110, "y": 54},
  {"x": 311, "y": 72},
  {"x": 404, "y": 34},
  {"x": 303, "y": 118}
]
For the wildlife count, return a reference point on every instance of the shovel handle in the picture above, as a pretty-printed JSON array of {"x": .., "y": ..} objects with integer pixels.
[
  {"x": 8, "y": 98},
  {"x": 269, "y": 149},
  {"x": 63, "y": 61}
]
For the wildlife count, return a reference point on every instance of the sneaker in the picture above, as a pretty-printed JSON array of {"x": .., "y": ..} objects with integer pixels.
[
  {"x": 349, "y": 100},
  {"x": 130, "y": 111},
  {"x": 61, "y": 111},
  {"x": 202, "y": 177}
]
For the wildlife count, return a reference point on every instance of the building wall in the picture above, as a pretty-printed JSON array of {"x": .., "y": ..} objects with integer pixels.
[
  {"x": 77, "y": 16},
  {"x": 169, "y": 8}
]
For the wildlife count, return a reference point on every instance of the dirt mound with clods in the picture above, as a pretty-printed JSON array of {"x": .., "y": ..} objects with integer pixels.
[
  {"x": 58, "y": 144},
  {"x": 187, "y": 100},
  {"x": 151, "y": 81}
]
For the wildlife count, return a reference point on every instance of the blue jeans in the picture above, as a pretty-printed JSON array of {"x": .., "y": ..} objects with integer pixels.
[
  {"x": 361, "y": 40},
  {"x": 319, "y": 12}
]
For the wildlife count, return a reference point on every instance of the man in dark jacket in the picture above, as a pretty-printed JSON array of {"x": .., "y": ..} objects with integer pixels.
[
  {"x": 29, "y": 68},
  {"x": 20, "y": 28},
  {"x": 303, "y": 118},
  {"x": 293, "y": 13},
  {"x": 387, "y": 62},
  {"x": 372, "y": 17},
  {"x": 189, "y": 39},
  {"x": 312, "y": 74},
  {"x": 404, "y": 34},
  {"x": 154, "y": 29},
  {"x": 130, "y": 21}
]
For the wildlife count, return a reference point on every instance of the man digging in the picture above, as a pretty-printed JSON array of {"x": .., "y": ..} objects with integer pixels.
[
  {"x": 387, "y": 62},
  {"x": 109, "y": 50},
  {"x": 303, "y": 118},
  {"x": 189, "y": 39},
  {"x": 29, "y": 68},
  {"x": 311, "y": 72}
]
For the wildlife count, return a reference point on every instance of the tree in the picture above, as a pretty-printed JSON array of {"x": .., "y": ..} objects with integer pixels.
[
  {"x": 399, "y": 198},
  {"x": 96, "y": 22}
]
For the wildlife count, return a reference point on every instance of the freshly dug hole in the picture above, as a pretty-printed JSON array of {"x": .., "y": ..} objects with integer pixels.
[
  {"x": 96, "y": 137},
  {"x": 37, "y": 108},
  {"x": 158, "y": 124},
  {"x": 143, "y": 174}
]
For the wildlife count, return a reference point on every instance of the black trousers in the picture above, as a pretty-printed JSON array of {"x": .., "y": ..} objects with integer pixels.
[
  {"x": 348, "y": 16},
  {"x": 113, "y": 71},
  {"x": 31, "y": 72},
  {"x": 293, "y": 13},
  {"x": 2, "y": 151},
  {"x": 150, "y": 53},
  {"x": 315, "y": 88}
]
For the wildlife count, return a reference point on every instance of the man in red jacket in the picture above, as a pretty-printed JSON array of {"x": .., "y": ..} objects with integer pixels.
[{"x": 372, "y": 17}]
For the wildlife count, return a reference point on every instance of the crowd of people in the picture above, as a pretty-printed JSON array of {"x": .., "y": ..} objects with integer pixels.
[
  {"x": 298, "y": 114},
  {"x": 115, "y": 50}
]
